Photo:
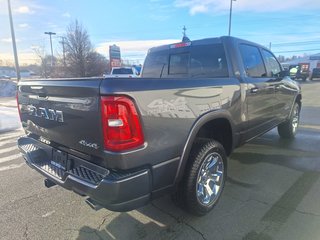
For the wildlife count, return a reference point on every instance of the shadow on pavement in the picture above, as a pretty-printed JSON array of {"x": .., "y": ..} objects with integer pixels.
[{"x": 233, "y": 218}]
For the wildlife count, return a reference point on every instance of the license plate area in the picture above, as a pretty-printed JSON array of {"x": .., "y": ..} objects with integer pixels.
[{"x": 59, "y": 159}]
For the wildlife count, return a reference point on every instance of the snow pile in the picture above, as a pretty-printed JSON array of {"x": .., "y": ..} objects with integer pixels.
[
  {"x": 9, "y": 119},
  {"x": 7, "y": 88}
]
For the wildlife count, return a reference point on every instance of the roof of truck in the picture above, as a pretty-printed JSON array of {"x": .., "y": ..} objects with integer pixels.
[{"x": 204, "y": 41}]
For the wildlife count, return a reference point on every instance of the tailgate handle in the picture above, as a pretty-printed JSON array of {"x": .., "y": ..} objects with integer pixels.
[
  {"x": 36, "y": 87},
  {"x": 39, "y": 90}
]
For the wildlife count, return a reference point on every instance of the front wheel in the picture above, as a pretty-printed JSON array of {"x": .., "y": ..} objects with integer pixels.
[
  {"x": 205, "y": 177},
  {"x": 289, "y": 128}
]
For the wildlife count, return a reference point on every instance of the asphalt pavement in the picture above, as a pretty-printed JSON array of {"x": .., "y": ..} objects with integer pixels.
[{"x": 272, "y": 192}]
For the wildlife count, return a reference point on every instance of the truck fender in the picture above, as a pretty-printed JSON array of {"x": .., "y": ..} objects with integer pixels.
[
  {"x": 297, "y": 99},
  {"x": 201, "y": 121}
]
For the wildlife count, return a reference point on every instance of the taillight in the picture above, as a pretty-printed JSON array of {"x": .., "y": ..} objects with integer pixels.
[{"x": 121, "y": 124}]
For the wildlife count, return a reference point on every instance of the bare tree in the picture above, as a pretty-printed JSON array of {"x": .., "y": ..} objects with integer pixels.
[
  {"x": 97, "y": 64},
  {"x": 78, "y": 48},
  {"x": 45, "y": 65}
]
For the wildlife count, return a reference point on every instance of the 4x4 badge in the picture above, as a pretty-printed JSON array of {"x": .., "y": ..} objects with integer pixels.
[{"x": 90, "y": 145}]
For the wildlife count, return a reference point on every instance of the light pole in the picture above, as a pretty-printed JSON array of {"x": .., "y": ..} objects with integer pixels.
[
  {"x": 14, "y": 46},
  {"x": 230, "y": 16},
  {"x": 51, "y": 33}
]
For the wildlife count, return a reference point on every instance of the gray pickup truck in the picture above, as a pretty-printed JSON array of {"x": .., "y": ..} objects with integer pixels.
[{"x": 122, "y": 142}]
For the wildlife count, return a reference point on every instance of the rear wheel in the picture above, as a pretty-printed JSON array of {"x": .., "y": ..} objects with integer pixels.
[
  {"x": 289, "y": 128},
  {"x": 204, "y": 178}
]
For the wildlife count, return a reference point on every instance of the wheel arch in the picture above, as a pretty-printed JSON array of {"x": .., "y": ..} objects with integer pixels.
[
  {"x": 298, "y": 100},
  {"x": 207, "y": 120}
]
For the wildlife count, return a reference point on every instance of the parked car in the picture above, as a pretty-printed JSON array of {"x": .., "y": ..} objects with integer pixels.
[
  {"x": 315, "y": 73},
  {"x": 5, "y": 77},
  {"x": 123, "y": 142},
  {"x": 125, "y": 72}
]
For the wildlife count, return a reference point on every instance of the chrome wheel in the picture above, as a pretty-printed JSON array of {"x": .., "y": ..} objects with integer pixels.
[
  {"x": 295, "y": 120},
  {"x": 210, "y": 179}
]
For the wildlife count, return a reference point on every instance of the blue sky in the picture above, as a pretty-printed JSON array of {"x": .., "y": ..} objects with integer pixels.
[{"x": 292, "y": 26}]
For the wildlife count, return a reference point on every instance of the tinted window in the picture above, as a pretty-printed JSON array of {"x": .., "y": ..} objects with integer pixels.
[
  {"x": 179, "y": 63},
  {"x": 191, "y": 61},
  {"x": 252, "y": 61},
  {"x": 272, "y": 65},
  {"x": 208, "y": 61},
  {"x": 155, "y": 64},
  {"x": 122, "y": 71}
]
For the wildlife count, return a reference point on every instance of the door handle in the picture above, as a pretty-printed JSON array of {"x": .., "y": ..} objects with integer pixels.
[{"x": 254, "y": 90}]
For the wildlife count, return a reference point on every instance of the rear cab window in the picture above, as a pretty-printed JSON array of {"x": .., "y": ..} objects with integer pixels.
[{"x": 207, "y": 61}]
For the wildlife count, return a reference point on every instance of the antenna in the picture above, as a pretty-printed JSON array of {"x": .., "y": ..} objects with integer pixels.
[
  {"x": 185, "y": 38},
  {"x": 184, "y": 31}
]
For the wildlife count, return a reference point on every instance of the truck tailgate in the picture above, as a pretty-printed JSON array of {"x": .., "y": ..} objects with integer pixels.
[{"x": 63, "y": 112}]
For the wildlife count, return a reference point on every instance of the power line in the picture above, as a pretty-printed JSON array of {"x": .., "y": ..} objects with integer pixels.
[
  {"x": 301, "y": 50},
  {"x": 297, "y": 43}
]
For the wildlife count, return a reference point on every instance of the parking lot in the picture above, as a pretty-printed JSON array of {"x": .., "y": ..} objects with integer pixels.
[{"x": 272, "y": 192}]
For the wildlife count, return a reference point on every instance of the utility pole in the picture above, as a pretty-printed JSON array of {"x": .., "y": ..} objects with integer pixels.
[
  {"x": 51, "y": 33},
  {"x": 230, "y": 15},
  {"x": 63, "y": 50},
  {"x": 14, "y": 46}
]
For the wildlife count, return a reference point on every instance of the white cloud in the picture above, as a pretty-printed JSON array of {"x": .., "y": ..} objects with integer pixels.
[
  {"x": 8, "y": 40},
  {"x": 202, "y": 6},
  {"x": 198, "y": 9},
  {"x": 66, "y": 15},
  {"x": 24, "y": 58},
  {"x": 24, "y": 25},
  {"x": 133, "y": 49},
  {"x": 24, "y": 10}
]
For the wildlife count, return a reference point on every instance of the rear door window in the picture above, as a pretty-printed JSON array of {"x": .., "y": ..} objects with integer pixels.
[{"x": 252, "y": 61}]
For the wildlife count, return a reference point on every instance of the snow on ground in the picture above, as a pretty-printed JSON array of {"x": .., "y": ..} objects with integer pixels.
[
  {"x": 8, "y": 102},
  {"x": 9, "y": 118},
  {"x": 7, "y": 88}
]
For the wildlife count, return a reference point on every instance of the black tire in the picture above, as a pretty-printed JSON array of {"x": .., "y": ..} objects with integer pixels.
[
  {"x": 188, "y": 194},
  {"x": 288, "y": 129}
]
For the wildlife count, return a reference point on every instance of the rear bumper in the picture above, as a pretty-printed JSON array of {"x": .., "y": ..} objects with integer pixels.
[{"x": 117, "y": 191}]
